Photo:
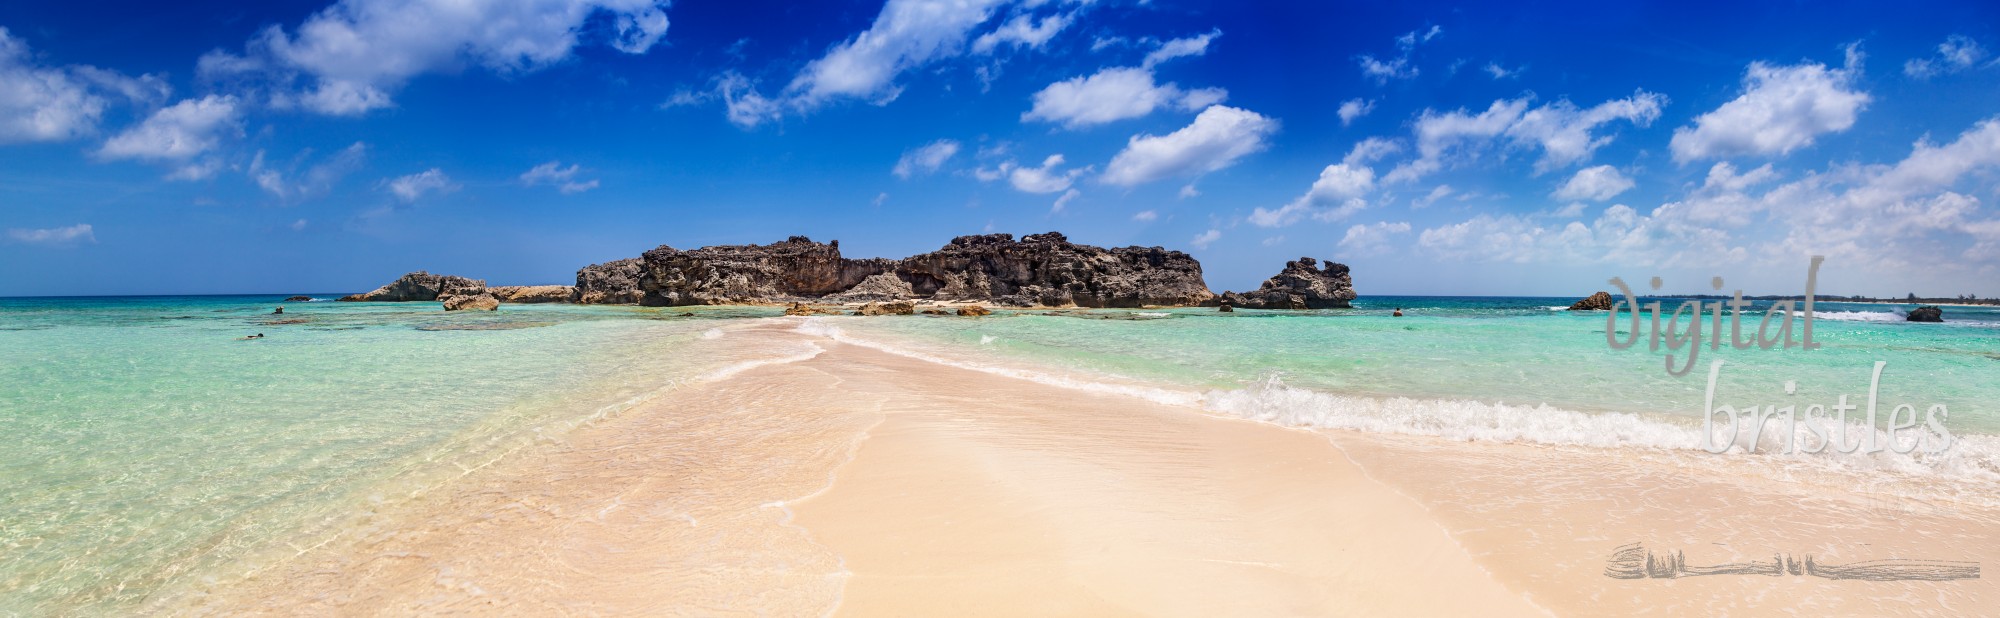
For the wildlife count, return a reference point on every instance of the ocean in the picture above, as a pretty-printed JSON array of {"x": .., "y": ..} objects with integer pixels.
[{"x": 147, "y": 448}]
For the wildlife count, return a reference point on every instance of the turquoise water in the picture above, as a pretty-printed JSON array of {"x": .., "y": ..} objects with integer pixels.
[
  {"x": 147, "y": 448},
  {"x": 144, "y": 443}
]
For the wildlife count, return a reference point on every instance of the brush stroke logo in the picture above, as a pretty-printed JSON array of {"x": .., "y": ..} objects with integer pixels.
[{"x": 1634, "y": 561}]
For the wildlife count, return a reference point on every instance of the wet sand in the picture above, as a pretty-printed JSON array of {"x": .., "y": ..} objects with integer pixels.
[{"x": 865, "y": 483}]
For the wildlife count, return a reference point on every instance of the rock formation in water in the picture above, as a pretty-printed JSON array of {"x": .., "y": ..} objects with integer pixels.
[
  {"x": 1925, "y": 314},
  {"x": 894, "y": 307},
  {"x": 298, "y": 299},
  {"x": 1600, "y": 301},
  {"x": 973, "y": 311},
  {"x": 610, "y": 283},
  {"x": 1301, "y": 285},
  {"x": 797, "y": 268},
  {"x": 416, "y": 286},
  {"x": 532, "y": 293},
  {"x": 1048, "y": 270},
  {"x": 879, "y": 286},
  {"x": 459, "y": 293}
]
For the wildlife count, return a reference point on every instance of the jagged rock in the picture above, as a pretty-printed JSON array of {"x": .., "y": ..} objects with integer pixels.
[
  {"x": 1301, "y": 285},
  {"x": 417, "y": 286},
  {"x": 805, "y": 309},
  {"x": 1600, "y": 301},
  {"x": 610, "y": 283},
  {"x": 973, "y": 311},
  {"x": 1225, "y": 308},
  {"x": 749, "y": 274},
  {"x": 1048, "y": 270},
  {"x": 879, "y": 286},
  {"x": 532, "y": 293},
  {"x": 898, "y": 307},
  {"x": 1926, "y": 314},
  {"x": 299, "y": 299},
  {"x": 471, "y": 302}
]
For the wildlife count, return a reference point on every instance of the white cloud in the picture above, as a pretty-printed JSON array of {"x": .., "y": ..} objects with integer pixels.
[
  {"x": 176, "y": 133},
  {"x": 1204, "y": 239},
  {"x": 1216, "y": 139},
  {"x": 1564, "y": 133},
  {"x": 925, "y": 159},
  {"x": 1188, "y": 191},
  {"x": 1437, "y": 193},
  {"x": 1957, "y": 53},
  {"x": 742, "y": 105},
  {"x": 1782, "y": 109},
  {"x": 1570, "y": 211},
  {"x": 1367, "y": 240},
  {"x": 1595, "y": 184},
  {"x": 1063, "y": 202},
  {"x": 905, "y": 35},
  {"x": 317, "y": 180},
  {"x": 1499, "y": 72},
  {"x": 553, "y": 173},
  {"x": 1146, "y": 216},
  {"x": 47, "y": 104},
  {"x": 1180, "y": 48},
  {"x": 54, "y": 237},
  {"x": 1334, "y": 196},
  {"x": 354, "y": 53},
  {"x": 414, "y": 186},
  {"x": 298, "y": 226},
  {"x": 1371, "y": 150},
  {"x": 1114, "y": 94},
  {"x": 1045, "y": 179},
  {"x": 881, "y": 198},
  {"x": 1352, "y": 109},
  {"x": 1399, "y": 67},
  {"x": 1022, "y": 31}
]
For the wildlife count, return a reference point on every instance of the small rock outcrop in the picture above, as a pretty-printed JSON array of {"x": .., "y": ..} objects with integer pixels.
[
  {"x": 298, "y": 299},
  {"x": 470, "y": 302},
  {"x": 973, "y": 311},
  {"x": 896, "y": 307},
  {"x": 610, "y": 283},
  {"x": 805, "y": 309},
  {"x": 879, "y": 286},
  {"x": 532, "y": 293},
  {"x": 416, "y": 286},
  {"x": 1301, "y": 285},
  {"x": 1225, "y": 308},
  {"x": 1925, "y": 314},
  {"x": 1600, "y": 301},
  {"x": 1048, "y": 270}
]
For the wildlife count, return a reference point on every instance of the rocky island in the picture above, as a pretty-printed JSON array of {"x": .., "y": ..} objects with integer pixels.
[{"x": 1037, "y": 270}]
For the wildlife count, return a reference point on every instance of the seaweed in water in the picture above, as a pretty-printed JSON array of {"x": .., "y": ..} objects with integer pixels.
[{"x": 1634, "y": 561}]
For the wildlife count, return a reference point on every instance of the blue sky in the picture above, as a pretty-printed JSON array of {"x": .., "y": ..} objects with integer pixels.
[{"x": 1477, "y": 148}]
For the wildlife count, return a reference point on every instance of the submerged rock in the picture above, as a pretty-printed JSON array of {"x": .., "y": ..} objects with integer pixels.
[
  {"x": 1225, "y": 308},
  {"x": 1926, "y": 314},
  {"x": 1600, "y": 301},
  {"x": 298, "y": 299},
  {"x": 418, "y": 286},
  {"x": 973, "y": 311},
  {"x": 1301, "y": 285},
  {"x": 610, "y": 283},
  {"x": 898, "y": 307},
  {"x": 532, "y": 293}
]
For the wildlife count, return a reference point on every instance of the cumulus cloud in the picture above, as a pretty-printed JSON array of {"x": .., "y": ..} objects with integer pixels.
[
  {"x": 1218, "y": 138},
  {"x": 1957, "y": 53},
  {"x": 1596, "y": 184},
  {"x": 46, "y": 104},
  {"x": 1334, "y": 196},
  {"x": 1564, "y": 133},
  {"x": 1204, "y": 239},
  {"x": 1022, "y": 31},
  {"x": 925, "y": 159},
  {"x": 563, "y": 178},
  {"x": 352, "y": 55},
  {"x": 1352, "y": 109},
  {"x": 178, "y": 133},
  {"x": 1180, "y": 48},
  {"x": 1114, "y": 94},
  {"x": 1367, "y": 240},
  {"x": 54, "y": 237},
  {"x": 1782, "y": 109},
  {"x": 415, "y": 186},
  {"x": 1146, "y": 216},
  {"x": 1048, "y": 178}
]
